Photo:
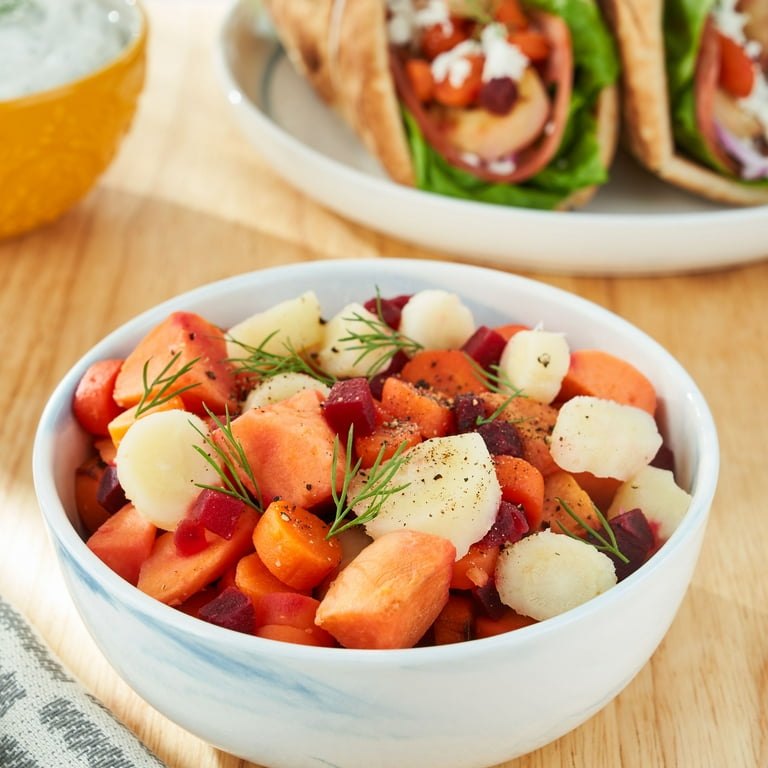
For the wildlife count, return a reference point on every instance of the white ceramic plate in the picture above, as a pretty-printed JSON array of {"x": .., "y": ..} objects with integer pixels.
[{"x": 635, "y": 224}]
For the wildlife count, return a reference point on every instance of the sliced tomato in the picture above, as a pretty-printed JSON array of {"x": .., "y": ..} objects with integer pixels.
[
  {"x": 467, "y": 91},
  {"x": 422, "y": 82},
  {"x": 440, "y": 38},
  {"x": 737, "y": 70},
  {"x": 531, "y": 42}
]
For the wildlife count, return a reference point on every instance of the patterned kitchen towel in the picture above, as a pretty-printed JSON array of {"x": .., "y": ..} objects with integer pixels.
[{"x": 47, "y": 719}]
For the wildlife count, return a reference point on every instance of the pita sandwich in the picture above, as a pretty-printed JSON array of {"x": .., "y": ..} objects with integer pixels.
[
  {"x": 499, "y": 122},
  {"x": 695, "y": 97}
]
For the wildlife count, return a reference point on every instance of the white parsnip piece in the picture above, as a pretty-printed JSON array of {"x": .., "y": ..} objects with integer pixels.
[
  {"x": 655, "y": 492},
  {"x": 452, "y": 491},
  {"x": 437, "y": 319},
  {"x": 603, "y": 437},
  {"x": 546, "y": 574},
  {"x": 535, "y": 363},
  {"x": 281, "y": 387}
]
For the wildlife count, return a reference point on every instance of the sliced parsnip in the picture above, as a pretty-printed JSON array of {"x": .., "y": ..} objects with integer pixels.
[
  {"x": 437, "y": 319},
  {"x": 603, "y": 437},
  {"x": 546, "y": 574},
  {"x": 655, "y": 492},
  {"x": 452, "y": 491},
  {"x": 159, "y": 468},
  {"x": 281, "y": 387},
  {"x": 340, "y": 355},
  {"x": 535, "y": 363},
  {"x": 295, "y": 322}
]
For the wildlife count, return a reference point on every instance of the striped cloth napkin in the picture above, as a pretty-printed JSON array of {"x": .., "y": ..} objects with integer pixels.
[{"x": 47, "y": 718}]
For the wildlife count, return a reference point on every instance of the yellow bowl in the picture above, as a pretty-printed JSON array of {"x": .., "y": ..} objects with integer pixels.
[{"x": 55, "y": 144}]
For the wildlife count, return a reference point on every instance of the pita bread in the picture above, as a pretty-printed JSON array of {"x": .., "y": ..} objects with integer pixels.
[
  {"x": 647, "y": 130},
  {"x": 341, "y": 47}
]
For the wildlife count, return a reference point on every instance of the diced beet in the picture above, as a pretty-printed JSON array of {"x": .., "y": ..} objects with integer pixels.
[
  {"x": 350, "y": 403},
  {"x": 634, "y": 539},
  {"x": 467, "y": 409},
  {"x": 189, "y": 537},
  {"x": 396, "y": 363},
  {"x": 231, "y": 609},
  {"x": 501, "y": 438},
  {"x": 217, "y": 511},
  {"x": 510, "y": 526},
  {"x": 388, "y": 309},
  {"x": 488, "y": 599},
  {"x": 485, "y": 346},
  {"x": 110, "y": 493},
  {"x": 664, "y": 459}
]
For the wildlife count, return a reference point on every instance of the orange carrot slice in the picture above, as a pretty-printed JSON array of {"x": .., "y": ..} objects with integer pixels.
[
  {"x": 455, "y": 622},
  {"x": 521, "y": 483},
  {"x": 476, "y": 568},
  {"x": 562, "y": 487},
  {"x": 93, "y": 404},
  {"x": 254, "y": 579},
  {"x": 449, "y": 371},
  {"x": 406, "y": 402}
]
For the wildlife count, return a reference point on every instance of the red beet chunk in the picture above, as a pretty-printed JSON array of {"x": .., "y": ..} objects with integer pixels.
[
  {"x": 388, "y": 309},
  {"x": 189, "y": 537},
  {"x": 217, "y": 511},
  {"x": 501, "y": 438},
  {"x": 634, "y": 539},
  {"x": 467, "y": 409},
  {"x": 664, "y": 459},
  {"x": 231, "y": 609},
  {"x": 485, "y": 346},
  {"x": 110, "y": 493},
  {"x": 487, "y": 597},
  {"x": 350, "y": 403},
  {"x": 396, "y": 363},
  {"x": 510, "y": 526}
]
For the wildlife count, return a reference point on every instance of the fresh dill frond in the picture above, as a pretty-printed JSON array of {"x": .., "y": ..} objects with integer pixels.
[
  {"x": 161, "y": 389},
  {"x": 605, "y": 543},
  {"x": 226, "y": 462},
  {"x": 497, "y": 381},
  {"x": 377, "y": 486}
]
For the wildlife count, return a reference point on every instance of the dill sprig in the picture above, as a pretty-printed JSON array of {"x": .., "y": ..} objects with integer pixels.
[
  {"x": 160, "y": 390},
  {"x": 605, "y": 544},
  {"x": 264, "y": 364},
  {"x": 499, "y": 382},
  {"x": 376, "y": 487},
  {"x": 227, "y": 462}
]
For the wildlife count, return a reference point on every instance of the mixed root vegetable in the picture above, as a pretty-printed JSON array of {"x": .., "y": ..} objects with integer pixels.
[{"x": 388, "y": 477}]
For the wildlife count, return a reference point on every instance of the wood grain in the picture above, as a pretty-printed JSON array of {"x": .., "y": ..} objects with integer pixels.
[{"x": 187, "y": 201}]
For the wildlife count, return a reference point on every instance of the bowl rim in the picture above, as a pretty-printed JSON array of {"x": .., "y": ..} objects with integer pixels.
[
  {"x": 704, "y": 476},
  {"x": 138, "y": 30}
]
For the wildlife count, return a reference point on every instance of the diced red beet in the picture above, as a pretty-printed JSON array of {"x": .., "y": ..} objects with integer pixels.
[
  {"x": 396, "y": 363},
  {"x": 189, "y": 537},
  {"x": 664, "y": 459},
  {"x": 501, "y": 438},
  {"x": 510, "y": 525},
  {"x": 485, "y": 346},
  {"x": 110, "y": 493},
  {"x": 231, "y": 609},
  {"x": 217, "y": 511},
  {"x": 467, "y": 409},
  {"x": 350, "y": 403},
  {"x": 388, "y": 309},
  {"x": 487, "y": 597},
  {"x": 634, "y": 539}
]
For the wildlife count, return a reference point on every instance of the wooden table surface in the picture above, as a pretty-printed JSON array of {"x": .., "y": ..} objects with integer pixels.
[{"x": 189, "y": 200}]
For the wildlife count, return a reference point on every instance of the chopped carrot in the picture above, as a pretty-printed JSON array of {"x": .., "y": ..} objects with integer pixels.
[
  {"x": 254, "y": 579},
  {"x": 476, "y": 568},
  {"x": 421, "y": 405},
  {"x": 600, "y": 489},
  {"x": 93, "y": 404},
  {"x": 562, "y": 487},
  {"x": 510, "y": 329},
  {"x": 390, "y": 433},
  {"x": 485, "y": 626},
  {"x": 534, "y": 422},
  {"x": 299, "y": 635},
  {"x": 87, "y": 477},
  {"x": 521, "y": 483},
  {"x": 419, "y": 74},
  {"x": 449, "y": 371},
  {"x": 200, "y": 345},
  {"x": 123, "y": 421},
  {"x": 292, "y": 544},
  {"x": 290, "y": 610},
  {"x": 390, "y": 594},
  {"x": 510, "y": 12},
  {"x": 124, "y": 541},
  {"x": 600, "y": 374},
  {"x": 454, "y": 623},
  {"x": 462, "y": 95},
  {"x": 289, "y": 447},
  {"x": 106, "y": 449},
  {"x": 173, "y": 578},
  {"x": 195, "y": 602}
]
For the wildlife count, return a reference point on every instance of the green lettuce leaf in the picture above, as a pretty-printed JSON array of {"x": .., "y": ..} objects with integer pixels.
[{"x": 577, "y": 163}]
